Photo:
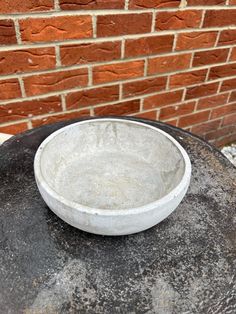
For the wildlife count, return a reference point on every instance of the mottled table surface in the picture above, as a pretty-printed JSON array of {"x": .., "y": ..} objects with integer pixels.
[{"x": 185, "y": 264}]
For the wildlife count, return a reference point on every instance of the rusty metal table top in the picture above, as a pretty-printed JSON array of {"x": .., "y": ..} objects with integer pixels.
[{"x": 185, "y": 264}]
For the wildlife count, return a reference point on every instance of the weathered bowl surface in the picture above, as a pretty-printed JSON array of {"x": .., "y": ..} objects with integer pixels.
[{"x": 112, "y": 176}]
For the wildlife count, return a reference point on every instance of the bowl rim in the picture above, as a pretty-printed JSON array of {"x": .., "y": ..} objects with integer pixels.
[{"x": 40, "y": 180}]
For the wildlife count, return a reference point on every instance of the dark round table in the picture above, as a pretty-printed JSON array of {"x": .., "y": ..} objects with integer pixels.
[{"x": 185, "y": 264}]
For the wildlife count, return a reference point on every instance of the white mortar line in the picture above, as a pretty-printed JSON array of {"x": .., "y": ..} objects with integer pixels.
[
  {"x": 58, "y": 57},
  {"x": 122, "y": 48},
  {"x": 90, "y": 76},
  {"x": 228, "y": 98},
  {"x": 221, "y": 122},
  {"x": 68, "y": 13},
  {"x": 217, "y": 39},
  {"x": 127, "y": 60},
  {"x": 20, "y": 47},
  {"x": 207, "y": 75},
  {"x": 142, "y": 111},
  {"x": 63, "y": 102},
  {"x": 114, "y": 38},
  {"x": 72, "y": 90},
  {"x": 22, "y": 86},
  {"x": 183, "y": 4},
  {"x": 153, "y": 21},
  {"x": 141, "y": 104},
  {"x": 29, "y": 124},
  {"x": 126, "y": 4},
  {"x": 111, "y": 103},
  {"x": 219, "y": 87},
  {"x": 56, "y": 5},
  {"x": 17, "y": 30},
  {"x": 153, "y": 94},
  {"x": 145, "y": 66},
  {"x": 59, "y": 113},
  {"x": 191, "y": 60},
  {"x": 92, "y": 112},
  {"x": 169, "y": 119},
  {"x": 94, "y": 24},
  {"x": 175, "y": 42},
  {"x": 195, "y": 105},
  {"x": 184, "y": 94},
  {"x": 229, "y": 55},
  {"x": 202, "y": 20},
  {"x": 112, "y": 11},
  {"x": 168, "y": 83},
  {"x": 113, "y": 84},
  {"x": 120, "y": 91}
]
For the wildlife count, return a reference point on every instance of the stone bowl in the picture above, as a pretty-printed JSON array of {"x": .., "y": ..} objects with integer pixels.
[{"x": 112, "y": 176}]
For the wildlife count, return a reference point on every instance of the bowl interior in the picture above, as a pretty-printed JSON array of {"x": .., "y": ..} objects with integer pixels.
[{"x": 111, "y": 164}]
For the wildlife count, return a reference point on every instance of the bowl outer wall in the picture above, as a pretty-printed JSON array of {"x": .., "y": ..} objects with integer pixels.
[{"x": 107, "y": 221}]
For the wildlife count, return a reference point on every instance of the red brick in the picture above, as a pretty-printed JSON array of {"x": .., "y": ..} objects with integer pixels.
[
  {"x": 56, "y": 81},
  {"x": 91, "y": 4},
  {"x": 205, "y": 2},
  {"x": 202, "y": 90},
  {"x": 7, "y": 32},
  {"x": 221, "y": 132},
  {"x": 223, "y": 111},
  {"x": 56, "y": 28},
  {"x": 229, "y": 119},
  {"x": 147, "y": 115},
  {"x": 153, "y": 4},
  {"x": 117, "y": 71},
  {"x": 178, "y": 110},
  {"x": 60, "y": 117},
  {"x": 24, "y": 109},
  {"x": 189, "y": 78},
  {"x": 92, "y": 96},
  {"x": 27, "y": 60},
  {"x": 212, "y": 101},
  {"x": 172, "y": 122},
  {"x": 9, "y": 89},
  {"x": 233, "y": 55},
  {"x": 222, "y": 71},
  {"x": 168, "y": 63},
  {"x": 233, "y": 97},
  {"x": 123, "y": 108},
  {"x": 217, "y": 18},
  {"x": 232, "y": 2},
  {"x": 195, "y": 40},
  {"x": 123, "y": 24},
  {"x": 161, "y": 100},
  {"x": 148, "y": 45},
  {"x": 206, "y": 127},
  {"x": 18, "y": 6},
  {"x": 194, "y": 118},
  {"x": 226, "y": 140},
  {"x": 210, "y": 57},
  {"x": 14, "y": 128},
  {"x": 227, "y": 37},
  {"x": 147, "y": 86},
  {"x": 92, "y": 52},
  {"x": 178, "y": 19},
  {"x": 228, "y": 85}
]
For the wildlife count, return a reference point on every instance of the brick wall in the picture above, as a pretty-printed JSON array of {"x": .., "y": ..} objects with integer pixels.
[{"x": 161, "y": 59}]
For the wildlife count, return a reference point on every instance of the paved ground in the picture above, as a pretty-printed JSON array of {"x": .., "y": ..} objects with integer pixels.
[{"x": 230, "y": 152}]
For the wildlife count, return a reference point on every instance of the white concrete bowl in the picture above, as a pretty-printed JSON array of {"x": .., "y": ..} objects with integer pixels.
[{"x": 112, "y": 176}]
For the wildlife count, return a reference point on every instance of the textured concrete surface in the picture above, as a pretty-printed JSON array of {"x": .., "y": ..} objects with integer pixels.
[{"x": 186, "y": 264}]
